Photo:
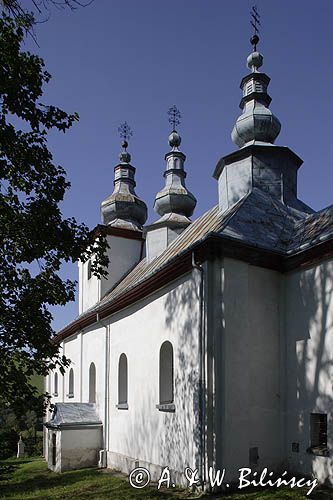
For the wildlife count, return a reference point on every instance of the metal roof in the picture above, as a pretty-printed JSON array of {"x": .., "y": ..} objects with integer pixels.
[
  {"x": 258, "y": 219},
  {"x": 69, "y": 414}
]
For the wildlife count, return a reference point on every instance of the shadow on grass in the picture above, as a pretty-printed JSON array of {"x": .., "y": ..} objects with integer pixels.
[
  {"x": 40, "y": 480},
  {"x": 32, "y": 479},
  {"x": 6, "y": 471},
  {"x": 42, "y": 483},
  {"x": 321, "y": 492},
  {"x": 8, "y": 467}
]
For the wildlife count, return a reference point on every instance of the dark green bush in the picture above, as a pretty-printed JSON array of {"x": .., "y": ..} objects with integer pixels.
[{"x": 8, "y": 443}]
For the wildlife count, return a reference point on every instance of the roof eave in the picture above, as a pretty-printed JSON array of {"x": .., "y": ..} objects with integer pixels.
[{"x": 211, "y": 244}]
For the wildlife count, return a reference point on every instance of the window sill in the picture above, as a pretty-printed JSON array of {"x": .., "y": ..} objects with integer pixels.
[
  {"x": 55, "y": 394},
  {"x": 122, "y": 406},
  {"x": 169, "y": 407},
  {"x": 321, "y": 451}
]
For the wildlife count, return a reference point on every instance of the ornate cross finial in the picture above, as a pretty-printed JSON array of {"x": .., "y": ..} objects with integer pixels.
[
  {"x": 125, "y": 133},
  {"x": 174, "y": 117},
  {"x": 255, "y": 22}
]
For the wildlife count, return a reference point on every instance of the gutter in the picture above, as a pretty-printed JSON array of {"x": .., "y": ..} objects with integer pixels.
[
  {"x": 202, "y": 375},
  {"x": 180, "y": 264}
]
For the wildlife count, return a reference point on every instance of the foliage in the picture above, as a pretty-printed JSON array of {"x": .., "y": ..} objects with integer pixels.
[
  {"x": 25, "y": 12},
  {"x": 35, "y": 239},
  {"x": 26, "y": 425}
]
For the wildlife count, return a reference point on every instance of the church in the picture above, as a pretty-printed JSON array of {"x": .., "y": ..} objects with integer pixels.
[{"x": 210, "y": 342}]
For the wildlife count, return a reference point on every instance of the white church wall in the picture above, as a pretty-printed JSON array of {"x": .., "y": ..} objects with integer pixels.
[
  {"x": 251, "y": 343},
  {"x": 89, "y": 288},
  {"x": 123, "y": 253},
  {"x": 309, "y": 331},
  {"x": 80, "y": 447},
  {"x": 143, "y": 432},
  {"x": 93, "y": 351},
  {"x": 72, "y": 351}
]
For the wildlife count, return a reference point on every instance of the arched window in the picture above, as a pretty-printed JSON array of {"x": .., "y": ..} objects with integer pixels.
[
  {"x": 55, "y": 392},
  {"x": 71, "y": 383},
  {"x": 89, "y": 270},
  {"x": 166, "y": 373},
  {"x": 92, "y": 383},
  {"x": 122, "y": 382}
]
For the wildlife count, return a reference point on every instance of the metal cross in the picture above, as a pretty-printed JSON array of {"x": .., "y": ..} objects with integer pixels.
[
  {"x": 174, "y": 116},
  {"x": 125, "y": 131},
  {"x": 255, "y": 21}
]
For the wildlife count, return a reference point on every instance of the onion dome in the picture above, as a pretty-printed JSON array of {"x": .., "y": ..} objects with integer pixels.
[
  {"x": 175, "y": 198},
  {"x": 257, "y": 122},
  {"x": 123, "y": 208}
]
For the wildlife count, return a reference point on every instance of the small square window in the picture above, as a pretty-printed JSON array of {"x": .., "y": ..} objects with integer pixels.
[
  {"x": 295, "y": 447},
  {"x": 253, "y": 455},
  {"x": 318, "y": 434}
]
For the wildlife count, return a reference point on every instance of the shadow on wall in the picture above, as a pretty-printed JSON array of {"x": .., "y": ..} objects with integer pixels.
[
  {"x": 310, "y": 363},
  {"x": 172, "y": 438},
  {"x": 180, "y": 439}
]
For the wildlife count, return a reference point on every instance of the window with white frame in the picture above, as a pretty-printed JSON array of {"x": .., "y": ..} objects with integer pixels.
[
  {"x": 89, "y": 273},
  {"x": 122, "y": 383},
  {"x": 71, "y": 383},
  {"x": 55, "y": 386},
  {"x": 92, "y": 383},
  {"x": 166, "y": 373}
]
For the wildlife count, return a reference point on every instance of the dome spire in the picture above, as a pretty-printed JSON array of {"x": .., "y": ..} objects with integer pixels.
[
  {"x": 124, "y": 208},
  {"x": 174, "y": 200},
  {"x": 256, "y": 123},
  {"x": 174, "y": 203},
  {"x": 255, "y": 22}
]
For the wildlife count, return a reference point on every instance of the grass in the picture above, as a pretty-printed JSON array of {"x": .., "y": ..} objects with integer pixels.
[{"x": 23, "y": 479}]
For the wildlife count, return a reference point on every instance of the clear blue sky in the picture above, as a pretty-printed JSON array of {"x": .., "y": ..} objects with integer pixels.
[{"x": 131, "y": 60}]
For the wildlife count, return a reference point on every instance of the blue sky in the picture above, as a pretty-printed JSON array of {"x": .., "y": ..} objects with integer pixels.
[{"x": 131, "y": 60}]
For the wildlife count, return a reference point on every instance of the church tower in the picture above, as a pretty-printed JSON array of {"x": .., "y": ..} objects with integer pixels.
[
  {"x": 123, "y": 213},
  {"x": 258, "y": 164},
  {"x": 174, "y": 203},
  {"x": 123, "y": 208}
]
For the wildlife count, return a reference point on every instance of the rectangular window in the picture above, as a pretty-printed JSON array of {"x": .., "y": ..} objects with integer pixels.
[
  {"x": 253, "y": 455},
  {"x": 318, "y": 433}
]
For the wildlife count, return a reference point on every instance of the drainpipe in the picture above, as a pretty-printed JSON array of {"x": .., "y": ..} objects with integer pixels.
[
  {"x": 202, "y": 406},
  {"x": 106, "y": 389}
]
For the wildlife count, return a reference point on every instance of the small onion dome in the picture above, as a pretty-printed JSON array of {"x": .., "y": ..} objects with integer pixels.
[
  {"x": 254, "y": 61},
  {"x": 174, "y": 139},
  {"x": 124, "y": 157}
]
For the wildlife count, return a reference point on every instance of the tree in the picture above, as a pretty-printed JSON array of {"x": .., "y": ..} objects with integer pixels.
[
  {"x": 19, "y": 9},
  {"x": 35, "y": 239}
]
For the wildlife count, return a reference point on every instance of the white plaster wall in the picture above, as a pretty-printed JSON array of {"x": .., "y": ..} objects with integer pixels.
[
  {"x": 89, "y": 290},
  {"x": 123, "y": 253},
  {"x": 72, "y": 350},
  {"x": 309, "y": 351},
  {"x": 93, "y": 350},
  {"x": 251, "y": 372},
  {"x": 85, "y": 438},
  {"x": 143, "y": 432}
]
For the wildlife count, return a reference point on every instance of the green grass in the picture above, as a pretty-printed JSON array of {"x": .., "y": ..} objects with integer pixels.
[{"x": 22, "y": 479}]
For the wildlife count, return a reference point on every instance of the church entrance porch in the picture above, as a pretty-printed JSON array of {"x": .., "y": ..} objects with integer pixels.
[{"x": 74, "y": 436}]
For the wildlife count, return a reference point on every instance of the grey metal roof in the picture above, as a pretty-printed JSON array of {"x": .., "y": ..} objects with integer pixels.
[
  {"x": 258, "y": 219},
  {"x": 70, "y": 414}
]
